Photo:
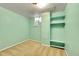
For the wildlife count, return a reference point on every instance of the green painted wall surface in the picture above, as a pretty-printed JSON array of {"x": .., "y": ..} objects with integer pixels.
[
  {"x": 41, "y": 33},
  {"x": 13, "y": 28},
  {"x": 57, "y": 28},
  {"x": 34, "y": 30},
  {"x": 72, "y": 29},
  {"x": 58, "y": 14},
  {"x": 57, "y": 32},
  {"x": 45, "y": 28}
]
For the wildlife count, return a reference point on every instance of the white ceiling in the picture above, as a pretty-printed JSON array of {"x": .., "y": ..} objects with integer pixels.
[{"x": 28, "y": 9}]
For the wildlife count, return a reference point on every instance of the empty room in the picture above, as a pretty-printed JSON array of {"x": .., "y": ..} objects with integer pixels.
[{"x": 39, "y": 29}]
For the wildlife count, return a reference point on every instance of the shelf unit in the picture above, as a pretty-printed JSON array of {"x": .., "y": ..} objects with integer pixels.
[
  {"x": 56, "y": 20},
  {"x": 57, "y": 44}
]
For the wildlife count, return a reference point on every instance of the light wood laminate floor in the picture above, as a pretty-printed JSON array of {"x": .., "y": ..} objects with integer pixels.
[{"x": 32, "y": 48}]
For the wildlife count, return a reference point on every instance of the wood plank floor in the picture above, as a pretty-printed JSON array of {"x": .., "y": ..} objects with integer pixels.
[{"x": 32, "y": 48}]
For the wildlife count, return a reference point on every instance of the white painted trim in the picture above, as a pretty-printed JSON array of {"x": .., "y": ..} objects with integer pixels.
[
  {"x": 40, "y": 42},
  {"x": 46, "y": 45},
  {"x": 24, "y": 41},
  {"x": 66, "y": 53},
  {"x": 12, "y": 45},
  {"x": 16, "y": 44}
]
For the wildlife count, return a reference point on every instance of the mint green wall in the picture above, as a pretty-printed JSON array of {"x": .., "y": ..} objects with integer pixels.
[
  {"x": 57, "y": 32},
  {"x": 72, "y": 29},
  {"x": 34, "y": 30},
  {"x": 42, "y": 32},
  {"x": 56, "y": 27},
  {"x": 45, "y": 28},
  {"x": 57, "y": 14},
  {"x": 13, "y": 28}
]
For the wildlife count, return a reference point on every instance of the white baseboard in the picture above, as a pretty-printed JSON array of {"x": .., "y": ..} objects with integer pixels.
[
  {"x": 15, "y": 44},
  {"x": 45, "y": 45},
  {"x": 66, "y": 53},
  {"x": 24, "y": 41},
  {"x": 12, "y": 45}
]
